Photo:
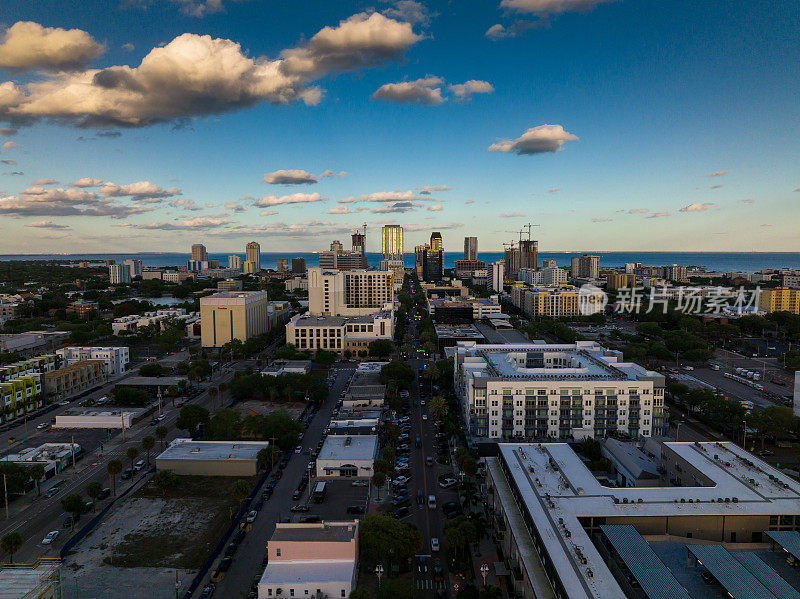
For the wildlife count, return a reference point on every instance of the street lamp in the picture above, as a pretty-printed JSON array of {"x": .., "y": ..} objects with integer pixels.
[
  {"x": 379, "y": 573},
  {"x": 484, "y": 571}
]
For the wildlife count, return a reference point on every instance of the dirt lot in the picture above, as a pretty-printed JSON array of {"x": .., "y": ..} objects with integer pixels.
[
  {"x": 144, "y": 540},
  {"x": 265, "y": 407}
]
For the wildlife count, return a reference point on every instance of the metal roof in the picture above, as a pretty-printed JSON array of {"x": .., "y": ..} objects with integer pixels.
[
  {"x": 788, "y": 539},
  {"x": 737, "y": 580},
  {"x": 769, "y": 577},
  {"x": 653, "y": 576}
]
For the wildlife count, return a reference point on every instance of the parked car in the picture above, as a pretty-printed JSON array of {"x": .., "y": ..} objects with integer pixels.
[
  {"x": 104, "y": 493},
  {"x": 51, "y": 491},
  {"x": 434, "y": 544},
  {"x": 258, "y": 505},
  {"x": 251, "y": 516},
  {"x": 447, "y": 483},
  {"x": 208, "y": 591},
  {"x": 310, "y": 519},
  {"x": 360, "y": 483},
  {"x": 401, "y": 512},
  {"x": 429, "y": 461},
  {"x": 42, "y": 425},
  {"x": 50, "y": 537},
  {"x": 299, "y": 508},
  {"x": 238, "y": 536},
  {"x": 297, "y": 494},
  {"x": 126, "y": 474},
  {"x": 298, "y": 449},
  {"x": 138, "y": 465}
]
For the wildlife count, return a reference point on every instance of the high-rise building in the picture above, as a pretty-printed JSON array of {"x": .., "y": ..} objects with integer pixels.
[
  {"x": 586, "y": 266},
  {"x": 135, "y": 266},
  {"x": 392, "y": 242},
  {"x": 253, "y": 254},
  {"x": 511, "y": 262},
  {"x": 199, "y": 252},
  {"x": 419, "y": 259},
  {"x": 436, "y": 241},
  {"x": 470, "y": 248},
  {"x": 433, "y": 265},
  {"x": 549, "y": 264},
  {"x": 528, "y": 253},
  {"x": 348, "y": 293},
  {"x": 779, "y": 299},
  {"x": 338, "y": 258},
  {"x": 398, "y": 270},
  {"x": 249, "y": 267},
  {"x": 630, "y": 267},
  {"x": 299, "y": 266},
  {"x": 496, "y": 275},
  {"x": 283, "y": 264},
  {"x": 336, "y": 246},
  {"x": 231, "y": 315},
  {"x": 674, "y": 273},
  {"x": 119, "y": 274},
  {"x": 575, "y": 267},
  {"x": 235, "y": 262}
]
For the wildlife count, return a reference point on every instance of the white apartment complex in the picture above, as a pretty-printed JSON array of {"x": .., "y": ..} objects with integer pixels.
[
  {"x": 116, "y": 359},
  {"x": 349, "y": 293},
  {"x": 339, "y": 333},
  {"x": 543, "y": 276},
  {"x": 119, "y": 274},
  {"x": 540, "y": 390}
]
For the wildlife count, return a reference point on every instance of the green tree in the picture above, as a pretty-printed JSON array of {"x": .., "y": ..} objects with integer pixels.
[
  {"x": 398, "y": 370},
  {"x": 93, "y": 490},
  {"x": 212, "y": 393},
  {"x": 148, "y": 442},
  {"x": 10, "y": 543},
  {"x": 240, "y": 489},
  {"x": 325, "y": 358},
  {"x": 438, "y": 406},
  {"x": 166, "y": 480},
  {"x": 128, "y": 396},
  {"x": 268, "y": 455},
  {"x": 191, "y": 417},
  {"x": 225, "y": 424},
  {"x": 114, "y": 467},
  {"x": 161, "y": 433},
  {"x": 490, "y": 591},
  {"x": 15, "y": 477},
  {"x": 132, "y": 453},
  {"x": 37, "y": 474},
  {"x": 378, "y": 479},
  {"x": 386, "y": 540},
  {"x": 153, "y": 369},
  {"x": 381, "y": 348},
  {"x": 75, "y": 505}
]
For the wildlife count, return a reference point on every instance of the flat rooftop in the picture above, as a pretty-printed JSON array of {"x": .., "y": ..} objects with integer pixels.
[
  {"x": 307, "y": 571},
  {"x": 152, "y": 381},
  {"x": 325, "y": 532},
  {"x": 556, "y": 489},
  {"x": 17, "y": 581},
  {"x": 306, "y": 320},
  {"x": 458, "y": 331},
  {"x": 187, "y": 449},
  {"x": 352, "y": 447}
]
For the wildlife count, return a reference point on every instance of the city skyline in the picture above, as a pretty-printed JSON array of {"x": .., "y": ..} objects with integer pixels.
[{"x": 157, "y": 124}]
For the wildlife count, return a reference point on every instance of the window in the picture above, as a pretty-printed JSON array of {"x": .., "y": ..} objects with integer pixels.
[
  {"x": 278, "y": 552},
  {"x": 269, "y": 592},
  {"x": 291, "y": 592},
  {"x": 342, "y": 592}
]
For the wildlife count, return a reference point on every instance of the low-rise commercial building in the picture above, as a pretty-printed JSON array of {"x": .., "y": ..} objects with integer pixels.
[
  {"x": 71, "y": 380},
  {"x": 339, "y": 333},
  {"x": 33, "y": 342},
  {"x": 117, "y": 359},
  {"x": 230, "y": 285},
  {"x": 296, "y": 283},
  {"x": 179, "y": 276},
  {"x": 365, "y": 391},
  {"x": 465, "y": 268},
  {"x": 233, "y": 315},
  {"x": 538, "y": 390},
  {"x": 564, "y": 534},
  {"x": 79, "y": 418},
  {"x": 83, "y": 309},
  {"x": 350, "y": 456},
  {"x": 317, "y": 560},
  {"x": 211, "y": 458},
  {"x": 54, "y": 457}
]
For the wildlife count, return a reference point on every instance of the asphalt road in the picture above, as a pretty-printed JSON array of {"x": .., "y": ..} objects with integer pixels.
[
  {"x": 246, "y": 564},
  {"x": 34, "y": 518}
]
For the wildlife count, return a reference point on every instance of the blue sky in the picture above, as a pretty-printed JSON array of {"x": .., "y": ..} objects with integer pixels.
[{"x": 629, "y": 108}]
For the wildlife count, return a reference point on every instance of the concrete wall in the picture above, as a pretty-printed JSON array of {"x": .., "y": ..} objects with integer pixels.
[
  {"x": 195, "y": 467},
  {"x": 709, "y": 528}
]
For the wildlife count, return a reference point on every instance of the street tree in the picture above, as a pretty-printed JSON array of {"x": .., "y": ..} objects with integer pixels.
[
  {"x": 240, "y": 489},
  {"x": 132, "y": 453},
  {"x": 93, "y": 490},
  {"x": 114, "y": 467},
  {"x": 166, "y": 480},
  {"x": 191, "y": 417},
  {"x": 161, "y": 433},
  {"x": 10, "y": 543},
  {"x": 212, "y": 393},
  {"x": 383, "y": 539},
  {"x": 74, "y": 505},
  {"x": 148, "y": 442},
  {"x": 438, "y": 406},
  {"x": 378, "y": 479},
  {"x": 37, "y": 474}
]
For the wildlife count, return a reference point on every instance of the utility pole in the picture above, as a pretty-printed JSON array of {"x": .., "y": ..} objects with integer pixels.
[
  {"x": 122, "y": 419},
  {"x": 72, "y": 445},
  {"x": 5, "y": 493}
]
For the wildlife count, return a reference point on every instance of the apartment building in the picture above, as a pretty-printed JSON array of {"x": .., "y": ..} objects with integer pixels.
[
  {"x": 117, "y": 359},
  {"x": 496, "y": 273},
  {"x": 73, "y": 379},
  {"x": 119, "y": 274},
  {"x": 37, "y": 365},
  {"x": 311, "y": 561},
  {"x": 557, "y": 301},
  {"x": 349, "y": 293},
  {"x": 229, "y": 315},
  {"x": 620, "y": 280},
  {"x": 135, "y": 267},
  {"x": 253, "y": 254},
  {"x": 19, "y": 395},
  {"x": 130, "y": 323},
  {"x": 398, "y": 270},
  {"x": 586, "y": 266},
  {"x": 780, "y": 299},
  {"x": 180, "y": 276},
  {"x": 561, "y": 391},
  {"x": 543, "y": 276},
  {"x": 339, "y": 333},
  {"x": 465, "y": 268},
  {"x": 471, "y": 248}
]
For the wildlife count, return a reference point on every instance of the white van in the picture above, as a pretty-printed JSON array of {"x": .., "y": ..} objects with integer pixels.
[{"x": 431, "y": 502}]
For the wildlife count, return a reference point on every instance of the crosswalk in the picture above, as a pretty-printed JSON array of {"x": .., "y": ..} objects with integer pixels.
[{"x": 428, "y": 584}]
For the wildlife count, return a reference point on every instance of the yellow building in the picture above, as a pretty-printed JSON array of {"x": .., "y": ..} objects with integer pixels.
[
  {"x": 780, "y": 299},
  {"x": 620, "y": 280},
  {"x": 249, "y": 267},
  {"x": 392, "y": 242},
  {"x": 556, "y": 301},
  {"x": 253, "y": 254},
  {"x": 233, "y": 315}
]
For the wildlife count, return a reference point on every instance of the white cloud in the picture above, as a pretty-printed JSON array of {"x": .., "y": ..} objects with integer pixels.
[
  {"x": 294, "y": 198},
  {"x": 658, "y": 215},
  {"x": 435, "y": 208},
  {"x": 128, "y": 47},
  {"x": 199, "y": 8},
  {"x": 396, "y": 207},
  {"x": 141, "y": 189},
  {"x": 470, "y": 202},
  {"x": 45, "y": 182},
  {"x": 697, "y": 207},
  {"x": 200, "y": 222},
  {"x": 427, "y": 190},
  {"x": 554, "y": 190},
  {"x": 718, "y": 174},
  {"x": 545, "y": 8},
  {"x": 9, "y": 161},
  {"x": 27, "y": 45},
  {"x": 511, "y": 214},
  {"x": 410, "y": 12},
  {"x": 267, "y": 212},
  {"x": 289, "y": 177},
  {"x": 601, "y": 220},
  {"x": 463, "y": 91},
  {"x": 340, "y": 209},
  {"x": 195, "y": 75},
  {"x": 39, "y": 201},
  {"x": 87, "y": 182},
  {"x": 46, "y": 224},
  {"x": 716, "y": 186},
  {"x": 638, "y": 211},
  {"x": 186, "y": 204},
  {"x": 748, "y": 201},
  {"x": 234, "y": 207},
  {"x": 386, "y": 196},
  {"x": 498, "y": 31},
  {"x": 330, "y": 173},
  {"x": 10, "y": 145},
  {"x": 423, "y": 91},
  {"x": 431, "y": 227},
  {"x": 537, "y": 140}
]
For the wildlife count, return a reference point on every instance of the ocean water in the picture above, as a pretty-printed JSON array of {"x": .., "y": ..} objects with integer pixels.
[{"x": 720, "y": 261}]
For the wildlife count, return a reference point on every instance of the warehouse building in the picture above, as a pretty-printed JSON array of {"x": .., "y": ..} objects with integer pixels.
[
  {"x": 347, "y": 456},
  {"x": 211, "y": 458}
]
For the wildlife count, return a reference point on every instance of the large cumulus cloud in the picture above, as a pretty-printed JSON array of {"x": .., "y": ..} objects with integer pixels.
[{"x": 27, "y": 45}]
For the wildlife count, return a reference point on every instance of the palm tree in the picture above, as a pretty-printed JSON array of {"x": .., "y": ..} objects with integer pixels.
[
  {"x": 438, "y": 406},
  {"x": 10, "y": 544},
  {"x": 161, "y": 433},
  {"x": 37, "y": 474},
  {"x": 223, "y": 387},
  {"x": 93, "y": 490},
  {"x": 132, "y": 453},
  {"x": 212, "y": 393},
  {"x": 114, "y": 467},
  {"x": 148, "y": 442}
]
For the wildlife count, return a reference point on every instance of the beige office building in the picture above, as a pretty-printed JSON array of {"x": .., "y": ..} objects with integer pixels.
[
  {"x": 233, "y": 315},
  {"x": 253, "y": 254},
  {"x": 349, "y": 293}
]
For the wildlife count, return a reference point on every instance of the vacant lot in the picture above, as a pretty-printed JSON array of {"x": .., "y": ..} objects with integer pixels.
[{"x": 150, "y": 536}]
